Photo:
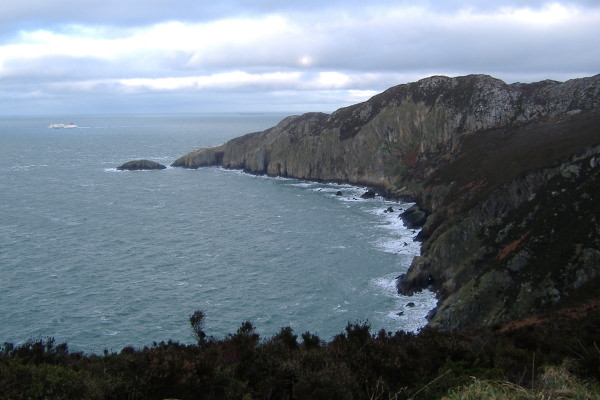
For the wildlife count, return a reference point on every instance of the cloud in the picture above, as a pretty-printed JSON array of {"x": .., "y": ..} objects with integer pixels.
[
  {"x": 244, "y": 81},
  {"x": 272, "y": 49},
  {"x": 221, "y": 81}
]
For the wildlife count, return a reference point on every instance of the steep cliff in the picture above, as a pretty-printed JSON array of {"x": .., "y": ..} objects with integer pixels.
[
  {"x": 513, "y": 226},
  {"x": 378, "y": 142},
  {"x": 506, "y": 174}
]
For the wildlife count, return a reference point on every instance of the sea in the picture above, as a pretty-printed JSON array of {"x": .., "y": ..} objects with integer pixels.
[{"x": 103, "y": 259}]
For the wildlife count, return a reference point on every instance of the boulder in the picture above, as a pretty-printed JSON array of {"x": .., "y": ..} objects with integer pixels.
[
  {"x": 369, "y": 194},
  {"x": 138, "y": 165},
  {"x": 414, "y": 217}
]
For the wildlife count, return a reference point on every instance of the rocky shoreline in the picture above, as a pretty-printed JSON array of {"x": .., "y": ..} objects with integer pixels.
[{"x": 504, "y": 177}]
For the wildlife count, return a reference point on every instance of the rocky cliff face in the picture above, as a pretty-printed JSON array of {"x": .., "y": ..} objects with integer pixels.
[
  {"x": 378, "y": 142},
  {"x": 506, "y": 174},
  {"x": 513, "y": 225}
]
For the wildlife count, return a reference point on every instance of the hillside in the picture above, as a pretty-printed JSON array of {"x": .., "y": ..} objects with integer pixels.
[{"x": 506, "y": 174}]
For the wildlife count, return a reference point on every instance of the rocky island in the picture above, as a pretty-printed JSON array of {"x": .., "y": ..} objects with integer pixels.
[
  {"x": 505, "y": 178},
  {"x": 138, "y": 165}
]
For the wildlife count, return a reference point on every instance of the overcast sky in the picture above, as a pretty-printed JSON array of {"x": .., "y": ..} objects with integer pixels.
[{"x": 152, "y": 56}]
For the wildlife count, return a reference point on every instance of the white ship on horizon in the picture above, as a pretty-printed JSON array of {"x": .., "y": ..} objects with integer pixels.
[{"x": 62, "y": 126}]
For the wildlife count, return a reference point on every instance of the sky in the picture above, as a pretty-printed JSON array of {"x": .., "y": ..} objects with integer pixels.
[{"x": 197, "y": 56}]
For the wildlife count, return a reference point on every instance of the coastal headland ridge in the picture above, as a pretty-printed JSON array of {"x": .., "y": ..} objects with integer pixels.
[{"x": 505, "y": 175}]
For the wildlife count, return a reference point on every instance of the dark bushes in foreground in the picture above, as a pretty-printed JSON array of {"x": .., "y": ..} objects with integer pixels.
[{"x": 356, "y": 364}]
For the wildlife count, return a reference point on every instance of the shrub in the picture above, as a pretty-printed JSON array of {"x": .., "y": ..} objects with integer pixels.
[
  {"x": 197, "y": 323},
  {"x": 311, "y": 341},
  {"x": 287, "y": 338},
  {"x": 355, "y": 364}
]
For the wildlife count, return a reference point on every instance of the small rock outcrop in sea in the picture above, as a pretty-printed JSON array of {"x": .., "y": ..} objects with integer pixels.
[
  {"x": 413, "y": 217},
  {"x": 504, "y": 177},
  {"x": 138, "y": 165},
  {"x": 369, "y": 194}
]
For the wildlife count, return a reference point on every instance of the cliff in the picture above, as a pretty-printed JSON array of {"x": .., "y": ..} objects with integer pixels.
[
  {"x": 512, "y": 227},
  {"x": 506, "y": 175}
]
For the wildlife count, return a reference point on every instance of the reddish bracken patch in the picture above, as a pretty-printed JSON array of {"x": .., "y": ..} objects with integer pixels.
[
  {"x": 565, "y": 316},
  {"x": 511, "y": 247},
  {"x": 473, "y": 186}
]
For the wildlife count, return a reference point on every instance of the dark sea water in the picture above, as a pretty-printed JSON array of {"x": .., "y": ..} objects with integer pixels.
[{"x": 104, "y": 259}]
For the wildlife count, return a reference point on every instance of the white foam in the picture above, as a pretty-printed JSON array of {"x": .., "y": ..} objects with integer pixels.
[
  {"x": 409, "y": 312},
  {"x": 339, "y": 309},
  {"x": 399, "y": 239},
  {"x": 387, "y": 284},
  {"x": 304, "y": 185},
  {"x": 23, "y": 167},
  {"x": 401, "y": 243}
]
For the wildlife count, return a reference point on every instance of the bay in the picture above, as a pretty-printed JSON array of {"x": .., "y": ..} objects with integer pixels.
[{"x": 104, "y": 259}]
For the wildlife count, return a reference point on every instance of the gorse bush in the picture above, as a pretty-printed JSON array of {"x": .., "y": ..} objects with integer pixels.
[
  {"x": 357, "y": 364},
  {"x": 197, "y": 323}
]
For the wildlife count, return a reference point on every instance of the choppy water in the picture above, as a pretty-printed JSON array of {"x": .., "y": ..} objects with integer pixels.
[{"x": 105, "y": 259}]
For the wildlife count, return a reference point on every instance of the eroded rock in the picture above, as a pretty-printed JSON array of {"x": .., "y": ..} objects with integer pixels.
[{"x": 414, "y": 217}]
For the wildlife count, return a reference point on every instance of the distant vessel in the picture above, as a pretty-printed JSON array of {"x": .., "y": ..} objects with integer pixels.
[{"x": 61, "y": 126}]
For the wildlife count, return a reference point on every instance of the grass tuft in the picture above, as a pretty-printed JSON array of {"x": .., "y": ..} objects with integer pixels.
[{"x": 556, "y": 382}]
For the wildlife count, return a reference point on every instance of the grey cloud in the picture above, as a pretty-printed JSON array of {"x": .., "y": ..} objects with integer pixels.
[
  {"x": 391, "y": 46},
  {"x": 368, "y": 46},
  {"x": 486, "y": 5},
  {"x": 29, "y": 13},
  {"x": 374, "y": 53}
]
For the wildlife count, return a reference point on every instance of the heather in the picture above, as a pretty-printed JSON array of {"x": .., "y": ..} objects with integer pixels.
[{"x": 548, "y": 356}]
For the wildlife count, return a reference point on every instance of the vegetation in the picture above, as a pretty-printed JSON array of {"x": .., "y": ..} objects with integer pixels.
[
  {"x": 555, "y": 383},
  {"x": 551, "y": 357}
]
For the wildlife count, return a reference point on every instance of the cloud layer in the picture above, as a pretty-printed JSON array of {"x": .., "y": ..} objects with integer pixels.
[{"x": 184, "y": 56}]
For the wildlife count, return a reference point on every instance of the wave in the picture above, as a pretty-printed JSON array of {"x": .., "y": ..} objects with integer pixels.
[
  {"x": 409, "y": 312},
  {"x": 26, "y": 167}
]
